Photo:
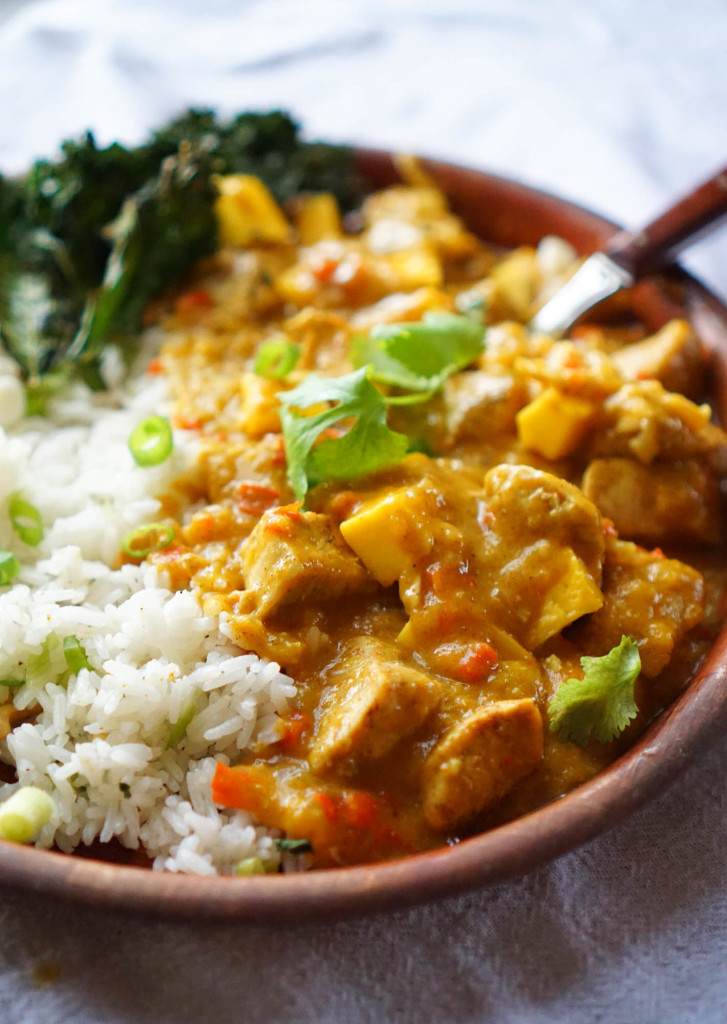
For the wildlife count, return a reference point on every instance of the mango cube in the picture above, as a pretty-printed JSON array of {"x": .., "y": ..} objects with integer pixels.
[
  {"x": 258, "y": 413},
  {"x": 554, "y": 424},
  {"x": 386, "y": 534},
  {"x": 318, "y": 218},
  {"x": 415, "y": 267},
  {"x": 246, "y": 212},
  {"x": 572, "y": 594}
]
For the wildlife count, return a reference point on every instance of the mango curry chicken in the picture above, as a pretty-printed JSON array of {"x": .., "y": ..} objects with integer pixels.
[{"x": 486, "y": 556}]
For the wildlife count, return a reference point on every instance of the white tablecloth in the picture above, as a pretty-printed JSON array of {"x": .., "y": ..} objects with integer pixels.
[{"x": 616, "y": 104}]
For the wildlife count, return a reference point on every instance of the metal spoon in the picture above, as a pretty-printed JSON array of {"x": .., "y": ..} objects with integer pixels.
[{"x": 630, "y": 256}]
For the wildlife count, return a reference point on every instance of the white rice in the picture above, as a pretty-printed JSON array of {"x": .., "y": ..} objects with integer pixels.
[{"x": 99, "y": 744}]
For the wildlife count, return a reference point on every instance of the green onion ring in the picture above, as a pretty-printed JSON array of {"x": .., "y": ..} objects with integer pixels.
[
  {"x": 9, "y": 567},
  {"x": 75, "y": 655},
  {"x": 276, "y": 358},
  {"x": 24, "y": 814},
  {"x": 151, "y": 441},
  {"x": 26, "y": 520},
  {"x": 165, "y": 535}
]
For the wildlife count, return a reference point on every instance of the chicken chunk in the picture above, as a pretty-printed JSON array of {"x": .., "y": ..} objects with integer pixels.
[
  {"x": 652, "y": 599},
  {"x": 672, "y": 356},
  {"x": 546, "y": 548},
  {"x": 479, "y": 406},
  {"x": 381, "y": 701},
  {"x": 293, "y": 556},
  {"x": 643, "y": 421},
  {"x": 479, "y": 760},
  {"x": 659, "y": 503}
]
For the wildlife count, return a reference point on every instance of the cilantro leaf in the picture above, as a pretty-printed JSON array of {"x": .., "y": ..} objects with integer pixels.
[
  {"x": 419, "y": 356},
  {"x": 367, "y": 446},
  {"x": 601, "y": 704}
]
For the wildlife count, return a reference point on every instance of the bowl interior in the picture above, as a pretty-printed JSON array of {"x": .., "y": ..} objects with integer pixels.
[{"x": 507, "y": 214}]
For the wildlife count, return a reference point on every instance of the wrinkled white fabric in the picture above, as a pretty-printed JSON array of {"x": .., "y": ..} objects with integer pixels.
[{"x": 617, "y": 105}]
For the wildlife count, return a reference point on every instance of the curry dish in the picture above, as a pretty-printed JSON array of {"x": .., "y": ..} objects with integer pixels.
[{"x": 555, "y": 497}]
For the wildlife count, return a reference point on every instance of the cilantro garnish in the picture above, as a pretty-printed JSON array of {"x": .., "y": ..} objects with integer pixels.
[
  {"x": 367, "y": 446},
  {"x": 419, "y": 356},
  {"x": 413, "y": 357},
  {"x": 601, "y": 704}
]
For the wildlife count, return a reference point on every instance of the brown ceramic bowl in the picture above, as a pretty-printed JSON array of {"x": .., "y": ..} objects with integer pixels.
[{"x": 507, "y": 214}]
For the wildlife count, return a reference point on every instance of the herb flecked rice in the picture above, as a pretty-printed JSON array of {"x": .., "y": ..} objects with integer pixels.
[{"x": 100, "y": 743}]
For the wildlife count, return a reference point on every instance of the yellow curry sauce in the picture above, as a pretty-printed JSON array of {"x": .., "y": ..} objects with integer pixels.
[{"x": 430, "y": 611}]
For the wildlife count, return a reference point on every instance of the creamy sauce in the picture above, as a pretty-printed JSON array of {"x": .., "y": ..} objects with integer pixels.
[{"x": 430, "y": 612}]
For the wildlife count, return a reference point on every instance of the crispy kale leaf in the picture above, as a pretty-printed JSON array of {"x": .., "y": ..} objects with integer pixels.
[
  {"x": 269, "y": 146},
  {"x": 87, "y": 241},
  {"x": 50, "y": 319},
  {"x": 161, "y": 231},
  {"x": 76, "y": 197}
]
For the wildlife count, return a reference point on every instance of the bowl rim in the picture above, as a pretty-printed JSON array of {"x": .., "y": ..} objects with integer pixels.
[{"x": 671, "y": 742}]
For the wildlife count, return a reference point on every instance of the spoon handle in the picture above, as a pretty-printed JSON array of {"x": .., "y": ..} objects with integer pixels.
[{"x": 646, "y": 251}]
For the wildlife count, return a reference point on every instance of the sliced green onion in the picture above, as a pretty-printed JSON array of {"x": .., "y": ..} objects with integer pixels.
[
  {"x": 47, "y": 665},
  {"x": 75, "y": 655},
  {"x": 179, "y": 728},
  {"x": 11, "y": 682},
  {"x": 256, "y": 866},
  {"x": 24, "y": 814},
  {"x": 294, "y": 845},
  {"x": 9, "y": 567},
  {"x": 26, "y": 520},
  {"x": 151, "y": 442},
  {"x": 156, "y": 535},
  {"x": 276, "y": 358}
]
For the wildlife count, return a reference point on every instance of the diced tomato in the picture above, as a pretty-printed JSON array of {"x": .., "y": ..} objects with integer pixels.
[
  {"x": 155, "y": 367},
  {"x": 609, "y": 529},
  {"x": 573, "y": 360},
  {"x": 292, "y": 729},
  {"x": 204, "y": 528},
  {"x": 658, "y": 553},
  {"x": 183, "y": 422},
  {"x": 478, "y": 662},
  {"x": 351, "y": 273},
  {"x": 328, "y": 805},
  {"x": 362, "y": 810},
  {"x": 169, "y": 554},
  {"x": 282, "y": 520},
  {"x": 237, "y": 787},
  {"x": 277, "y": 454},
  {"x": 199, "y": 299},
  {"x": 256, "y": 498},
  {"x": 324, "y": 268}
]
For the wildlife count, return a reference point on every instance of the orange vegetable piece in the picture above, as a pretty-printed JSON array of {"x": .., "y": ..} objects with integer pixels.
[
  {"x": 256, "y": 498},
  {"x": 479, "y": 661}
]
